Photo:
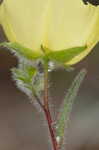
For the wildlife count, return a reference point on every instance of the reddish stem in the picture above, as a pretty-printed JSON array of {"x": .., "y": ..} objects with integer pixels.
[
  {"x": 47, "y": 112},
  {"x": 51, "y": 129}
]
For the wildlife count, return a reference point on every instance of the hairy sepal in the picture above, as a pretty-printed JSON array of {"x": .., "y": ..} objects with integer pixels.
[
  {"x": 20, "y": 50},
  {"x": 63, "y": 56}
]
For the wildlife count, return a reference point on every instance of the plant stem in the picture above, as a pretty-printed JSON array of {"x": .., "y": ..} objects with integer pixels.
[
  {"x": 47, "y": 112},
  {"x": 51, "y": 130}
]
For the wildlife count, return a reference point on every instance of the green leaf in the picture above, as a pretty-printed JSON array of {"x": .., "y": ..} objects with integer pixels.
[
  {"x": 67, "y": 105},
  {"x": 28, "y": 80},
  {"x": 38, "y": 84},
  {"x": 21, "y": 50},
  {"x": 23, "y": 75},
  {"x": 63, "y": 56}
]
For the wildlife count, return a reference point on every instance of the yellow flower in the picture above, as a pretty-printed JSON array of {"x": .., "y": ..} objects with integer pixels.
[{"x": 55, "y": 24}]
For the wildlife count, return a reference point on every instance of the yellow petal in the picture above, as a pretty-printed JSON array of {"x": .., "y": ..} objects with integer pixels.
[
  {"x": 24, "y": 21},
  {"x": 70, "y": 24},
  {"x": 91, "y": 41}
]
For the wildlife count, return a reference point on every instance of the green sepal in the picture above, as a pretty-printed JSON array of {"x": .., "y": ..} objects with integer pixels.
[
  {"x": 22, "y": 51},
  {"x": 63, "y": 56}
]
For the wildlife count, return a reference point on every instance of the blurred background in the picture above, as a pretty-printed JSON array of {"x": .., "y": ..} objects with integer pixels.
[{"x": 22, "y": 126}]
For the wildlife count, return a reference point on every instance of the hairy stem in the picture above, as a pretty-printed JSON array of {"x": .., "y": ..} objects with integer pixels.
[
  {"x": 47, "y": 111},
  {"x": 51, "y": 130}
]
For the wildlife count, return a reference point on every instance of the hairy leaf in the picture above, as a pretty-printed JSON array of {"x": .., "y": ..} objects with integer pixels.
[
  {"x": 67, "y": 105},
  {"x": 38, "y": 83},
  {"x": 23, "y": 75}
]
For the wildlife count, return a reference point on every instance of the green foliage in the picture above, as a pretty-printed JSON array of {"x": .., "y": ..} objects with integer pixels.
[
  {"x": 63, "y": 56},
  {"x": 22, "y": 51},
  {"x": 38, "y": 84},
  {"x": 28, "y": 80},
  {"x": 67, "y": 104},
  {"x": 23, "y": 75},
  {"x": 27, "y": 77}
]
